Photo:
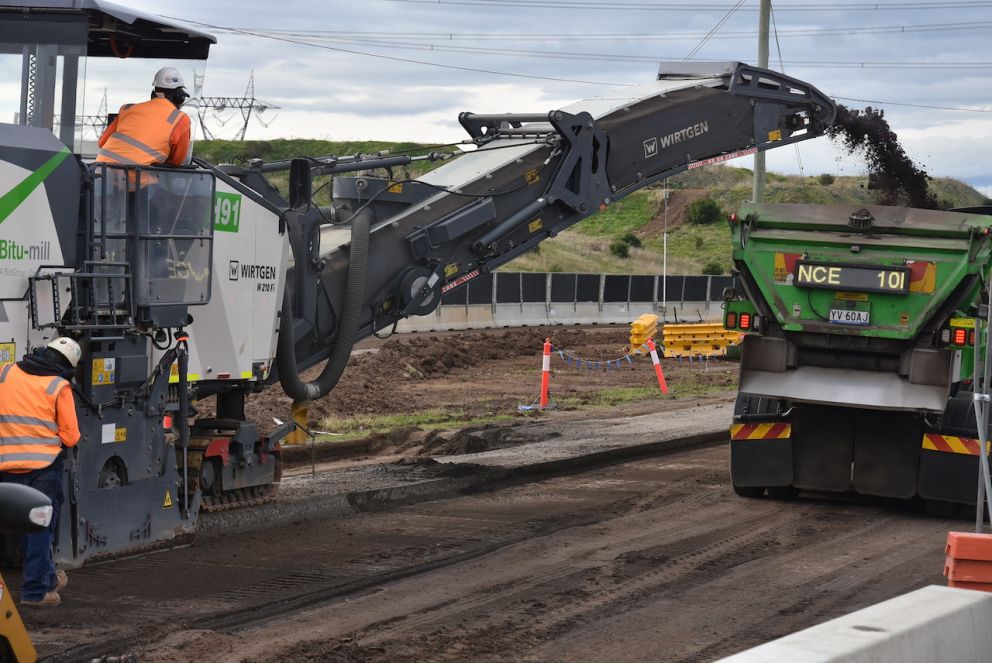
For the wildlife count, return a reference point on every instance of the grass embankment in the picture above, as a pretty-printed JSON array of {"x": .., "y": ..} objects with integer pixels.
[
  {"x": 586, "y": 246},
  {"x": 691, "y": 247}
]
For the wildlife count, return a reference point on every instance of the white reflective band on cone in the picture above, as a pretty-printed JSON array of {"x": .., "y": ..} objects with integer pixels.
[{"x": 547, "y": 362}]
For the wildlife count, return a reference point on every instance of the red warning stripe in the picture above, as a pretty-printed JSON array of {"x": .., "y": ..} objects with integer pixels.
[
  {"x": 951, "y": 444},
  {"x": 762, "y": 431}
]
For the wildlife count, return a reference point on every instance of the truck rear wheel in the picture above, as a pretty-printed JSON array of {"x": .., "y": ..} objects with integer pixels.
[
  {"x": 748, "y": 491},
  {"x": 783, "y": 492}
]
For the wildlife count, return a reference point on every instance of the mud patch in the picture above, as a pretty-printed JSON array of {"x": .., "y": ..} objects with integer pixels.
[
  {"x": 195, "y": 645},
  {"x": 477, "y": 374}
]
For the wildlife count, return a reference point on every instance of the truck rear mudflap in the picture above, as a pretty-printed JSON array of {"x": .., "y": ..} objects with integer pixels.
[
  {"x": 828, "y": 449},
  {"x": 949, "y": 454}
]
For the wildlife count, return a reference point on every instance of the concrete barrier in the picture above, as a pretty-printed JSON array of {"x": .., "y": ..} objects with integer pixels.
[
  {"x": 931, "y": 624},
  {"x": 518, "y": 299}
]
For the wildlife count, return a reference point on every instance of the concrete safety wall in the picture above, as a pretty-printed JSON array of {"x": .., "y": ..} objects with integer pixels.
[
  {"x": 931, "y": 624},
  {"x": 528, "y": 299}
]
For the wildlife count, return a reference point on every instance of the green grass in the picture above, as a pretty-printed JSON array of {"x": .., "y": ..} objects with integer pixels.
[
  {"x": 229, "y": 151},
  {"x": 622, "y": 217},
  {"x": 234, "y": 151},
  {"x": 692, "y": 389},
  {"x": 356, "y": 427},
  {"x": 691, "y": 247},
  {"x": 683, "y": 388},
  {"x": 575, "y": 252}
]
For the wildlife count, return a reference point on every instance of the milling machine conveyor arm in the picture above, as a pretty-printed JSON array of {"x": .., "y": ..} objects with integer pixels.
[{"x": 531, "y": 176}]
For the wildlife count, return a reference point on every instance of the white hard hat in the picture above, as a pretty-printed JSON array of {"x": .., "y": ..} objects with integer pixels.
[
  {"x": 168, "y": 78},
  {"x": 68, "y": 348}
]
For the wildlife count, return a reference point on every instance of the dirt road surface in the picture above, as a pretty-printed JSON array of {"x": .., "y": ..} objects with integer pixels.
[
  {"x": 649, "y": 560},
  {"x": 653, "y": 559}
]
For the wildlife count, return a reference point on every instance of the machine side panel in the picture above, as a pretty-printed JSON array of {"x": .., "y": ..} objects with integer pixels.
[{"x": 236, "y": 330}]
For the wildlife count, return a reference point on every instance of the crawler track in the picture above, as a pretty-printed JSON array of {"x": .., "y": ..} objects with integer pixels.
[{"x": 654, "y": 559}]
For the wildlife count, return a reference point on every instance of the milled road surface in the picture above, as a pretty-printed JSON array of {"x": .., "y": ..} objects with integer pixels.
[{"x": 650, "y": 560}]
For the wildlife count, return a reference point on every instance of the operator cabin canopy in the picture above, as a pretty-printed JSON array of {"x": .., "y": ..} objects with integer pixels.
[{"x": 43, "y": 32}]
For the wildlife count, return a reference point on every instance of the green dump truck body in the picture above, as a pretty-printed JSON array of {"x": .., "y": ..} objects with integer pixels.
[
  {"x": 808, "y": 261},
  {"x": 860, "y": 327}
]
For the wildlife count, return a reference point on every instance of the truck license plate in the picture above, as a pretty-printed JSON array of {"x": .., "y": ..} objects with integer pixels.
[{"x": 845, "y": 316}]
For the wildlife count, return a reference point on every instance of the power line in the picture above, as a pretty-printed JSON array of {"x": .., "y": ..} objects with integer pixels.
[
  {"x": 781, "y": 64},
  {"x": 530, "y": 76},
  {"x": 681, "y": 6},
  {"x": 714, "y": 30},
  {"x": 623, "y": 36},
  {"x": 397, "y": 59},
  {"x": 898, "y": 103},
  {"x": 610, "y": 57}
]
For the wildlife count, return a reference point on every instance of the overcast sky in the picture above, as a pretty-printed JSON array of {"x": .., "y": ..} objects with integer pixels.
[{"x": 364, "y": 70}]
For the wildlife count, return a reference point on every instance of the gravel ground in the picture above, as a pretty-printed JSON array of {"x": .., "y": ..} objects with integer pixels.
[{"x": 646, "y": 560}]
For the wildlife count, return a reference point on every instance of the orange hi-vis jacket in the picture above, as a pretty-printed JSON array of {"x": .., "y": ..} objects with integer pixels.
[
  {"x": 152, "y": 132},
  {"x": 37, "y": 416}
]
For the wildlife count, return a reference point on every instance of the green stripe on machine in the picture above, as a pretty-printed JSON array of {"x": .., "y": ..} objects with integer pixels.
[{"x": 11, "y": 200}]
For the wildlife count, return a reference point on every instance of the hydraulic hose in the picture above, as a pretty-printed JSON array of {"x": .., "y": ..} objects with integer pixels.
[{"x": 351, "y": 318}]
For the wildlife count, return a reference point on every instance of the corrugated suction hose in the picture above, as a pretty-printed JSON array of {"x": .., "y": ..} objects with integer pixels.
[{"x": 351, "y": 318}]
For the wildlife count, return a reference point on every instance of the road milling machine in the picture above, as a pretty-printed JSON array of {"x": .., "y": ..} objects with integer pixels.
[
  {"x": 858, "y": 361},
  {"x": 191, "y": 286}
]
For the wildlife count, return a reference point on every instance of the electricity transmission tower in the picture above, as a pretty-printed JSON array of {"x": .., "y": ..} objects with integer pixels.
[
  {"x": 89, "y": 125},
  {"x": 95, "y": 123},
  {"x": 247, "y": 104}
]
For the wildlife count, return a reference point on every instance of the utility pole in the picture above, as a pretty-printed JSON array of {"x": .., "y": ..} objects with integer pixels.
[
  {"x": 758, "y": 190},
  {"x": 664, "y": 264}
]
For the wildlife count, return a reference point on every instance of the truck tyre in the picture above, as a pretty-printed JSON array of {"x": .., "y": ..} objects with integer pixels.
[
  {"x": 749, "y": 491},
  {"x": 783, "y": 492}
]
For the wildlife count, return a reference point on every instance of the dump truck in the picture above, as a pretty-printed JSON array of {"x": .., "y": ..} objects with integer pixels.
[{"x": 858, "y": 357}]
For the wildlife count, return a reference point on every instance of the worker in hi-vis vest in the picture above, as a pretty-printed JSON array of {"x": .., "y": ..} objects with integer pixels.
[
  {"x": 152, "y": 132},
  {"x": 38, "y": 419}
]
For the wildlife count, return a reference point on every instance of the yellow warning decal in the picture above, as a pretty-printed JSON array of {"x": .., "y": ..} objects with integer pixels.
[
  {"x": 450, "y": 270},
  {"x": 167, "y": 502},
  {"x": 396, "y": 188},
  {"x": 775, "y": 135},
  {"x": 8, "y": 353},
  {"x": 534, "y": 226},
  {"x": 532, "y": 177},
  {"x": 120, "y": 435},
  {"x": 103, "y": 371},
  {"x": 966, "y": 323},
  {"x": 174, "y": 374},
  {"x": 851, "y": 296}
]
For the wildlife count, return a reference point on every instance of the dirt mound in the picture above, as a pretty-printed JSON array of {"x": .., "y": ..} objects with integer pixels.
[
  {"x": 678, "y": 203},
  {"x": 372, "y": 382}
]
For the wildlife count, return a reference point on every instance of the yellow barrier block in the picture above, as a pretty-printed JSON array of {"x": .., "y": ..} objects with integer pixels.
[
  {"x": 641, "y": 330},
  {"x": 697, "y": 339}
]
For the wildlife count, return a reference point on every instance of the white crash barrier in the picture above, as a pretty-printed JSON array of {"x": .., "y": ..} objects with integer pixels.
[{"x": 926, "y": 626}]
